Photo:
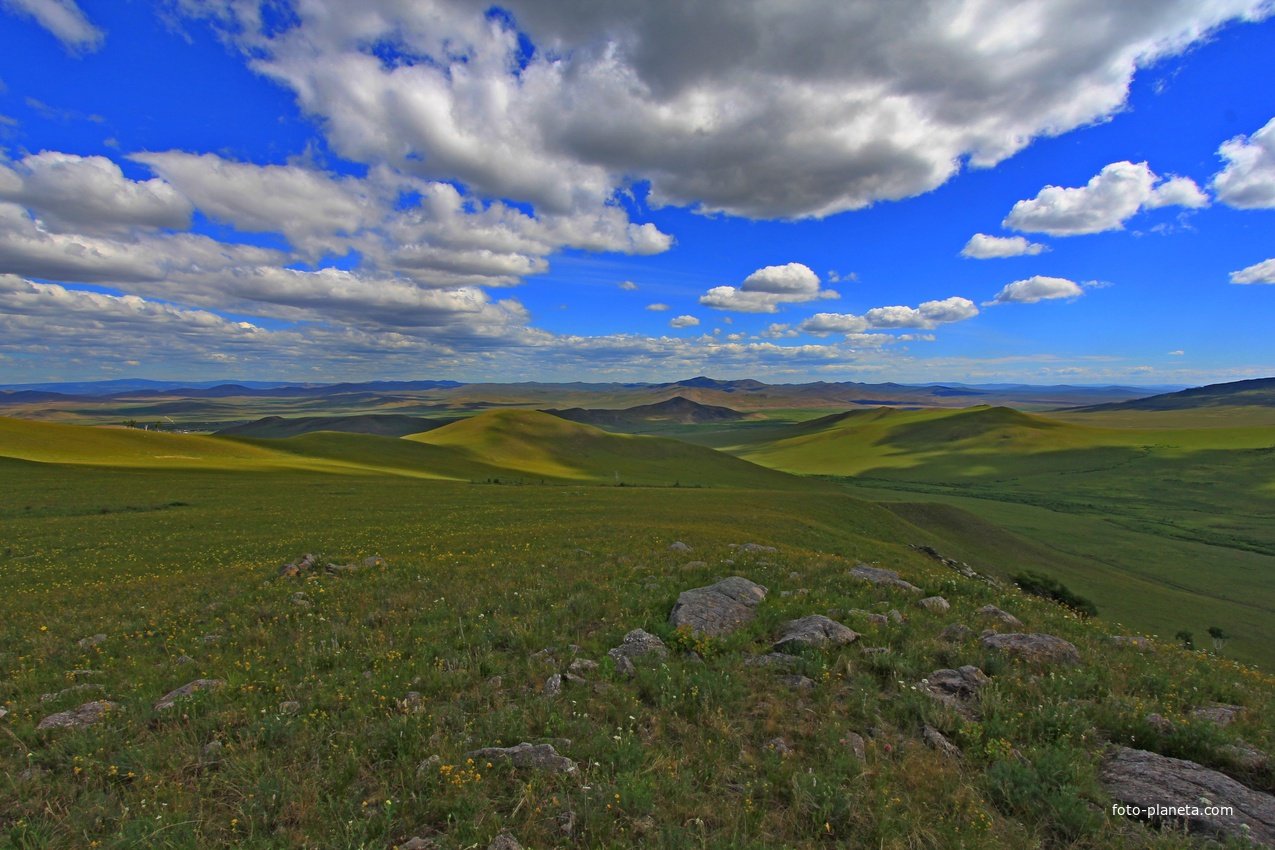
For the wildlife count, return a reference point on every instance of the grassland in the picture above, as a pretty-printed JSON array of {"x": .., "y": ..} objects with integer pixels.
[
  {"x": 1166, "y": 528},
  {"x": 176, "y": 563}
]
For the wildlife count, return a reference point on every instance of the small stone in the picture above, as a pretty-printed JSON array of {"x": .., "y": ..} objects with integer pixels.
[
  {"x": 875, "y": 650},
  {"x": 302, "y": 599},
  {"x": 170, "y": 699},
  {"x": 183, "y": 659},
  {"x": 1159, "y": 723},
  {"x": 375, "y": 561},
  {"x": 84, "y": 674},
  {"x": 212, "y": 751},
  {"x": 956, "y": 633},
  {"x": 1218, "y": 714},
  {"x": 887, "y": 578},
  {"x": 779, "y": 747},
  {"x": 32, "y": 774},
  {"x": 624, "y": 666},
  {"x": 640, "y": 643},
  {"x": 935, "y": 604},
  {"x": 541, "y": 757},
  {"x": 895, "y": 616},
  {"x": 412, "y": 702},
  {"x": 210, "y": 639},
  {"x": 567, "y": 823},
  {"x": 956, "y": 688},
  {"x": 89, "y": 642},
  {"x": 857, "y": 745},
  {"x": 4, "y": 712},
  {"x": 495, "y": 683},
  {"x": 553, "y": 685},
  {"x": 504, "y": 841},
  {"x": 1246, "y": 756},
  {"x": 936, "y": 741},
  {"x": 798, "y": 683},
  {"x": 813, "y": 631},
  {"x": 878, "y": 620},
  {"x": 1003, "y": 617},
  {"x": 419, "y": 843},
  {"x": 78, "y": 718},
  {"x": 74, "y": 689},
  {"x": 289, "y": 707},
  {"x": 679, "y": 546},
  {"x": 753, "y": 549},
  {"x": 694, "y": 565},
  {"x": 582, "y": 666},
  {"x": 775, "y": 660},
  {"x": 1134, "y": 641},
  {"x": 644, "y": 825},
  {"x": 429, "y": 765}
]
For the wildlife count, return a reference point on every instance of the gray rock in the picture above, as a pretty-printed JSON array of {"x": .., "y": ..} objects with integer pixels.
[
  {"x": 956, "y": 633},
  {"x": 1246, "y": 755},
  {"x": 1159, "y": 723},
  {"x": 429, "y": 765},
  {"x": 418, "y": 843},
  {"x": 183, "y": 659},
  {"x": 624, "y": 666},
  {"x": 372, "y": 562},
  {"x": 935, "y": 740},
  {"x": 210, "y": 639},
  {"x": 813, "y": 631},
  {"x": 84, "y": 674},
  {"x": 934, "y": 604},
  {"x": 504, "y": 841},
  {"x": 1003, "y": 617},
  {"x": 542, "y": 757},
  {"x": 302, "y": 599},
  {"x": 754, "y": 549},
  {"x": 290, "y": 706},
  {"x": 779, "y": 747},
  {"x": 74, "y": 689},
  {"x": 1134, "y": 641},
  {"x": 1218, "y": 714},
  {"x": 32, "y": 774},
  {"x": 956, "y": 688},
  {"x": 773, "y": 660},
  {"x": 1143, "y": 779},
  {"x": 717, "y": 609},
  {"x": 170, "y": 699},
  {"x": 639, "y": 644},
  {"x": 1034, "y": 648},
  {"x": 4, "y": 712},
  {"x": 581, "y": 666},
  {"x": 886, "y": 578},
  {"x": 89, "y": 642},
  {"x": 798, "y": 683},
  {"x": 78, "y": 718},
  {"x": 695, "y": 565},
  {"x": 553, "y": 685},
  {"x": 857, "y": 745},
  {"x": 876, "y": 650},
  {"x": 895, "y": 616},
  {"x": 679, "y": 546},
  {"x": 212, "y": 751},
  {"x": 567, "y": 823}
]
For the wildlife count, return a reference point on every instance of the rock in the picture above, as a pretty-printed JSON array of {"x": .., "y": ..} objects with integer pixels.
[
  {"x": 74, "y": 689},
  {"x": 813, "y": 631},
  {"x": 412, "y": 702},
  {"x": 1143, "y": 779},
  {"x": 894, "y": 616},
  {"x": 84, "y": 674},
  {"x": 624, "y": 666},
  {"x": 541, "y": 757},
  {"x": 183, "y": 659},
  {"x": 341, "y": 569},
  {"x": 78, "y": 718},
  {"x": 1035, "y": 648},
  {"x": 956, "y": 633},
  {"x": 212, "y": 751},
  {"x": 1218, "y": 714},
  {"x": 419, "y": 843},
  {"x": 935, "y": 740},
  {"x": 1135, "y": 641},
  {"x": 32, "y": 774},
  {"x": 4, "y": 712},
  {"x": 887, "y": 578},
  {"x": 638, "y": 644},
  {"x": 553, "y": 685},
  {"x": 302, "y": 599},
  {"x": 429, "y": 765},
  {"x": 644, "y": 825},
  {"x": 695, "y": 565},
  {"x": 504, "y": 841},
  {"x": 934, "y": 604},
  {"x": 955, "y": 688},
  {"x": 208, "y": 640},
  {"x": 717, "y": 609},
  {"x": 798, "y": 683},
  {"x": 292, "y": 569},
  {"x": 290, "y": 706},
  {"x": 875, "y": 650},
  {"x": 857, "y": 745},
  {"x": 753, "y": 549},
  {"x": 776, "y": 660},
  {"x": 1246, "y": 755},
  {"x": 567, "y": 823},
  {"x": 679, "y": 546},
  {"x": 169, "y": 699},
  {"x": 581, "y": 666},
  {"x": 372, "y": 562},
  {"x": 779, "y": 746},
  {"x": 878, "y": 620},
  {"x": 92, "y": 641},
  {"x": 1159, "y": 723},
  {"x": 1003, "y": 617}
]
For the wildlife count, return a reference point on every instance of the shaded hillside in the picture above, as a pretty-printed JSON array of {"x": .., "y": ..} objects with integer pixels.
[
  {"x": 539, "y": 444},
  {"x": 677, "y": 410},
  {"x": 1259, "y": 392},
  {"x": 376, "y": 424}
]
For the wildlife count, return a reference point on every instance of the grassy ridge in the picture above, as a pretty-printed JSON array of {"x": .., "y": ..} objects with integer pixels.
[{"x": 168, "y": 563}]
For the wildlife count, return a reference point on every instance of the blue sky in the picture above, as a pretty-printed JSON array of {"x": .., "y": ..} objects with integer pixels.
[{"x": 553, "y": 191}]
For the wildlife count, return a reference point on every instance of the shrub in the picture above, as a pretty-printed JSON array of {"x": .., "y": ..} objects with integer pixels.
[{"x": 1046, "y": 587}]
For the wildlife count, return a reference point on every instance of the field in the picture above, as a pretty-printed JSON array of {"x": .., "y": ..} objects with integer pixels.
[{"x": 170, "y": 546}]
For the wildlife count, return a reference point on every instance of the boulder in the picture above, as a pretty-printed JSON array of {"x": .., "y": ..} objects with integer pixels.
[
  {"x": 639, "y": 643},
  {"x": 1218, "y": 714},
  {"x": 956, "y": 633},
  {"x": 813, "y": 631},
  {"x": 936, "y": 740},
  {"x": 541, "y": 757},
  {"x": 1149, "y": 782},
  {"x": 1035, "y": 648},
  {"x": 956, "y": 688},
  {"x": 1005, "y": 618},
  {"x": 582, "y": 666},
  {"x": 717, "y": 609},
  {"x": 887, "y": 578},
  {"x": 74, "y": 689},
  {"x": 934, "y": 604},
  {"x": 78, "y": 718},
  {"x": 679, "y": 546},
  {"x": 553, "y": 685},
  {"x": 170, "y": 699}
]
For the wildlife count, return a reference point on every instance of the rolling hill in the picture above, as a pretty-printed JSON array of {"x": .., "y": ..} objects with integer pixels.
[
  {"x": 676, "y": 410},
  {"x": 1259, "y": 392},
  {"x": 376, "y": 424}
]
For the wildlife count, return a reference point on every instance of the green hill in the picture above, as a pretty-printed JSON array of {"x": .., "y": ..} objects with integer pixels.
[
  {"x": 533, "y": 443},
  {"x": 1259, "y": 392},
  {"x": 377, "y": 424},
  {"x": 675, "y": 411}
]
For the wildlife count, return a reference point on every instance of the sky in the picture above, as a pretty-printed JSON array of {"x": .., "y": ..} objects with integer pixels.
[{"x": 1054, "y": 191}]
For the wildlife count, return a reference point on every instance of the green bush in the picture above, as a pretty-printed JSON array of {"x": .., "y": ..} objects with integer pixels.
[{"x": 1038, "y": 584}]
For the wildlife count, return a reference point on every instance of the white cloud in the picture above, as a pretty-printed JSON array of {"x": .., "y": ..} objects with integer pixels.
[
  {"x": 683, "y": 322},
  {"x": 90, "y": 193},
  {"x": 1111, "y": 197},
  {"x": 1263, "y": 272},
  {"x": 927, "y": 316},
  {"x": 1037, "y": 288},
  {"x": 657, "y": 307},
  {"x": 1248, "y": 180},
  {"x": 765, "y": 289},
  {"x": 742, "y": 106},
  {"x": 64, "y": 19},
  {"x": 627, "y": 285},
  {"x": 1178, "y": 353},
  {"x": 984, "y": 247}
]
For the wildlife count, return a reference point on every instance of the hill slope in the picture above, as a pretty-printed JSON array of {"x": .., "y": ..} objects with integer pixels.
[
  {"x": 377, "y": 424},
  {"x": 676, "y": 410},
  {"x": 1259, "y": 392}
]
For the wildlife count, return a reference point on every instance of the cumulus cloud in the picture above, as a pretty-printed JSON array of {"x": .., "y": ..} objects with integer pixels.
[
  {"x": 658, "y": 307},
  {"x": 741, "y": 106},
  {"x": 64, "y": 19},
  {"x": 1037, "y": 288},
  {"x": 1263, "y": 272},
  {"x": 1110, "y": 198},
  {"x": 1248, "y": 180},
  {"x": 984, "y": 247},
  {"x": 765, "y": 289},
  {"x": 927, "y": 316},
  {"x": 683, "y": 322},
  {"x": 627, "y": 285},
  {"x": 90, "y": 193}
]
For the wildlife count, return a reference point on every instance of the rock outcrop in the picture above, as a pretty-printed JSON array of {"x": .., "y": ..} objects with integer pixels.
[
  {"x": 541, "y": 757},
  {"x": 813, "y": 631},
  {"x": 1034, "y": 648},
  {"x": 717, "y": 609}
]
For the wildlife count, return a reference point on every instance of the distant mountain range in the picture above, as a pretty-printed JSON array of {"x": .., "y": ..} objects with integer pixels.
[
  {"x": 1259, "y": 392},
  {"x": 677, "y": 410},
  {"x": 377, "y": 424}
]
